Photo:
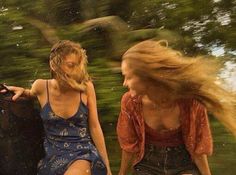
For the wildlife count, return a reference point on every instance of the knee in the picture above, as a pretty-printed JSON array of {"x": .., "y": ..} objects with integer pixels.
[
  {"x": 78, "y": 172},
  {"x": 79, "y": 167}
]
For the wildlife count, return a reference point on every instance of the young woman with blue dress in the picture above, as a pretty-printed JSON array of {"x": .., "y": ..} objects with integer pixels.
[{"x": 74, "y": 142}]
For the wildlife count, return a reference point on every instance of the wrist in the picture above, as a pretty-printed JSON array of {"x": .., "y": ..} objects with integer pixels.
[{"x": 25, "y": 92}]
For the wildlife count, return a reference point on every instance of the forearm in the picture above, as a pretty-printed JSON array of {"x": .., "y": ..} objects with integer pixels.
[
  {"x": 98, "y": 139},
  {"x": 20, "y": 91},
  {"x": 202, "y": 164},
  {"x": 125, "y": 162}
]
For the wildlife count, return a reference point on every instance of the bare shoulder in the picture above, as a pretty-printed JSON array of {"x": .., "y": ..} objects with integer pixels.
[
  {"x": 91, "y": 95},
  {"x": 90, "y": 84},
  {"x": 90, "y": 87},
  {"x": 38, "y": 87}
]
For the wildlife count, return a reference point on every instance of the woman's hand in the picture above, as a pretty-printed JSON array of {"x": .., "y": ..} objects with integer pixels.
[{"x": 18, "y": 91}]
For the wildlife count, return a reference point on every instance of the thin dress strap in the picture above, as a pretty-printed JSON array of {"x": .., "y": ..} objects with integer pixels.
[
  {"x": 80, "y": 97},
  {"x": 47, "y": 91}
]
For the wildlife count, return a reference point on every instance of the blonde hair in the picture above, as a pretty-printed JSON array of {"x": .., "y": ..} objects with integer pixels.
[
  {"x": 184, "y": 77},
  {"x": 58, "y": 52}
]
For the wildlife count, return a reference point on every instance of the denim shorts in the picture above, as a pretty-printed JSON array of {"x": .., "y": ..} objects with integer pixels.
[{"x": 165, "y": 161}]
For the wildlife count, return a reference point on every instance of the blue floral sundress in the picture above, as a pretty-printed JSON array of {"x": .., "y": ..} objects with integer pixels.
[{"x": 67, "y": 140}]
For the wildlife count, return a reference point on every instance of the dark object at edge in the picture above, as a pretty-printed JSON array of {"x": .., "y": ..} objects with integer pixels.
[{"x": 21, "y": 135}]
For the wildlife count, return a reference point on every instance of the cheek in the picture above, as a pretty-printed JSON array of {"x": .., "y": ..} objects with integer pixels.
[
  {"x": 64, "y": 69},
  {"x": 69, "y": 71},
  {"x": 135, "y": 84},
  {"x": 139, "y": 85}
]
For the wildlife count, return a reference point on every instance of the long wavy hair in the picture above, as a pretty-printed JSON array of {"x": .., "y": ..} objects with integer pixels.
[
  {"x": 58, "y": 52},
  {"x": 184, "y": 77}
]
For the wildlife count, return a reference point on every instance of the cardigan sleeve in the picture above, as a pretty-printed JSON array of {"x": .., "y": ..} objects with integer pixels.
[
  {"x": 196, "y": 130},
  {"x": 127, "y": 136}
]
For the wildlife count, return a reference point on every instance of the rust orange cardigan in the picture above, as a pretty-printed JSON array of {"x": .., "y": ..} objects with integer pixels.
[{"x": 194, "y": 125}]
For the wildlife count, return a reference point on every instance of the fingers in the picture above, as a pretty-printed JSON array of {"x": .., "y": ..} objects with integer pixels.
[
  {"x": 17, "y": 91},
  {"x": 5, "y": 88},
  {"x": 17, "y": 95},
  {"x": 8, "y": 88},
  {"x": 11, "y": 88},
  {"x": 3, "y": 91}
]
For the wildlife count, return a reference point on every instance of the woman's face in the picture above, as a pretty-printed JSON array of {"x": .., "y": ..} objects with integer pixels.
[
  {"x": 132, "y": 81},
  {"x": 70, "y": 64}
]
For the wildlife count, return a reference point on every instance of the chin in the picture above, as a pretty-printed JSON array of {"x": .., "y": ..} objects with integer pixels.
[{"x": 134, "y": 93}]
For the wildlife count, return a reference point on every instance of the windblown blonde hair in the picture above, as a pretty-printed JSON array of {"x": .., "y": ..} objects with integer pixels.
[
  {"x": 59, "y": 51},
  {"x": 184, "y": 77}
]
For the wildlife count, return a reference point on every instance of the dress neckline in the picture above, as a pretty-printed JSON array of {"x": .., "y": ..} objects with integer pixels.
[
  {"x": 162, "y": 132},
  {"x": 166, "y": 131},
  {"x": 65, "y": 118},
  {"x": 58, "y": 116}
]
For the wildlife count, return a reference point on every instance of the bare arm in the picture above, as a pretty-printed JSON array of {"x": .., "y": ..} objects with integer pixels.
[
  {"x": 127, "y": 135},
  {"x": 126, "y": 158},
  {"x": 29, "y": 93},
  {"x": 202, "y": 164},
  {"x": 94, "y": 126}
]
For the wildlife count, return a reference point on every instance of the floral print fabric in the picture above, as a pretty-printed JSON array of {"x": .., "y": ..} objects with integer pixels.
[
  {"x": 195, "y": 127},
  {"x": 68, "y": 140}
]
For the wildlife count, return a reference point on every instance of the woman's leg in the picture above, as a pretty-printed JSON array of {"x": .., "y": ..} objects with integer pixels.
[{"x": 81, "y": 167}]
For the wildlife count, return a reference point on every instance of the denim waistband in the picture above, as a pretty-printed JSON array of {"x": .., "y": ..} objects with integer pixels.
[
  {"x": 152, "y": 147},
  {"x": 165, "y": 160}
]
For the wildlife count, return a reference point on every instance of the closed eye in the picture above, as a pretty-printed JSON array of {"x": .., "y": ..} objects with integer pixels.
[{"x": 71, "y": 65}]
